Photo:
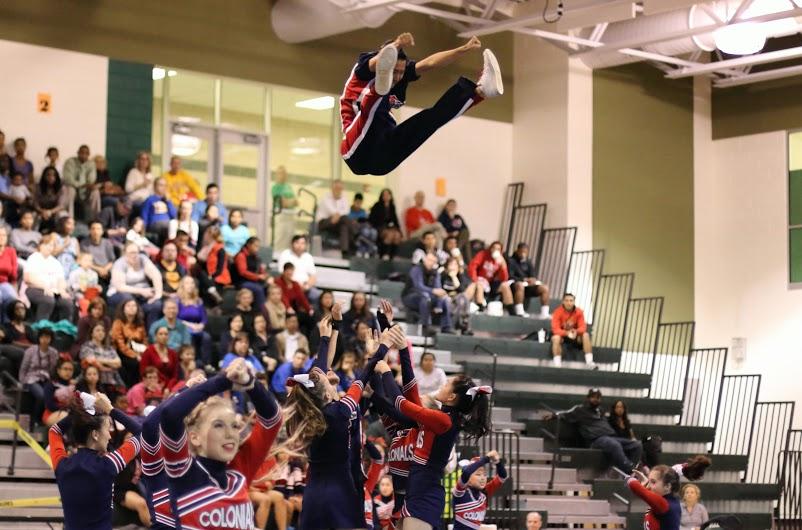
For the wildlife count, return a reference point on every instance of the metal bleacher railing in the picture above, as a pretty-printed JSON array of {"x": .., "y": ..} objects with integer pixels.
[
  {"x": 18, "y": 390},
  {"x": 278, "y": 209},
  {"x": 633, "y": 327}
]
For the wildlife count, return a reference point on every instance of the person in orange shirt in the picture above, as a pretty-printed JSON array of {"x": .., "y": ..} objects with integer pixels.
[{"x": 568, "y": 325}]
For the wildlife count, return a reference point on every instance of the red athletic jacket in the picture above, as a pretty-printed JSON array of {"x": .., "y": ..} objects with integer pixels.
[
  {"x": 292, "y": 294},
  {"x": 488, "y": 268},
  {"x": 562, "y": 321}
]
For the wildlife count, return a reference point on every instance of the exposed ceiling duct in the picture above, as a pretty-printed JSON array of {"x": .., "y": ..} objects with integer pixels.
[{"x": 296, "y": 21}]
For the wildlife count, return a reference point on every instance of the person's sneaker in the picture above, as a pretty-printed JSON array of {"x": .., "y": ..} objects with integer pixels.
[
  {"x": 385, "y": 64},
  {"x": 592, "y": 366},
  {"x": 490, "y": 81}
]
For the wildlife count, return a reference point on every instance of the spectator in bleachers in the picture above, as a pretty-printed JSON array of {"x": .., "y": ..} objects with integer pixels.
[
  {"x": 3, "y": 150},
  {"x": 139, "y": 181},
  {"x": 187, "y": 363},
  {"x": 619, "y": 421},
  {"x": 177, "y": 332},
  {"x": 305, "y": 272},
  {"x": 236, "y": 325},
  {"x": 186, "y": 253},
  {"x": 346, "y": 371},
  {"x": 291, "y": 339},
  {"x": 212, "y": 198},
  {"x": 357, "y": 212},
  {"x": 158, "y": 211},
  {"x": 383, "y": 217},
  {"x": 66, "y": 247},
  {"x": 429, "y": 376},
  {"x": 181, "y": 185},
  {"x": 101, "y": 249},
  {"x": 129, "y": 338},
  {"x": 8, "y": 271},
  {"x": 89, "y": 381},
  {"x": 263, "y": 344},
  {"x": 147, "y": 392},
  {"x": 109, "y": 191},
  {"x": 595, "y": 430},
  {"x": 423, "y": 293},
  {"x": 58, "y": 392},
  {"x": 47, "y": 288},
  {"x": 455, "y": 226},
  {"x": 275, "y": 308},
  {"x": 135, "y": 277},
  {"x": 568, "y": 325},
  {"x": 137, "y": 236},
  {"x": 296, "y": 365},
  {"x": 461, "y": 292},
  {"x": 115, "y": 220},
  {"x": 428, "y": 245},
  {"x": 235, "y": 233},
  {"x": 164, "y": 358},
  {"x": 241, "y": 348},
  {"x": 217, "y": 276},
  {"x": 79, "y": 181},
  {"x": 419, "y": 220},
  {"x": 285, "y": 219},
  {"x": 366, "y": 234},
  {"x": 97, "y": 352},
  {"x": 526, "y": 285},
  {"x": 489, "y": 269},
  {"x": 84, "y": 283},
  {"x": 24, "y": 238},
  {"x": 694, "y": 513},
  {"x": 451, "y": 247},
  {"x": 96, "y": 313},
  {"x": 246, "y": 309},
  {"x": 359, "y": 310},
  {"x": 292, "y": 293},
  {"x": 50, "y": 200},
  {"x": 193, "y": 314},
  {"x": 52, "y": 160},
  {"x": 332, "y": 218},
  {"x": 19, "y": 192},
  {"x": 20, "y": 163},
  {"x": 184, "y": 222},
  {"x": 38, "y": 363},
  {"x": 358, "y": 342},
  {"x": 170, "y": 269},
  {"x": 209, "y": 219},
  {"x": 534, "y": 521},
  {"x": 16, "y": 330},
  {"x": 249, "y": 272}
]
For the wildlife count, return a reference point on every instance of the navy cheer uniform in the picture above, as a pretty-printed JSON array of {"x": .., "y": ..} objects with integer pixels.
[
  {"x": 86, "y": 479},
  {"x": 154, "y": 477},
  {"x": 331, "y": 499},
  {"x": 210, "y": 494},
  {"x": 664, "y": 511},
  {"x": 372, "y": 141},
  {"x": 470, "y": 504}
]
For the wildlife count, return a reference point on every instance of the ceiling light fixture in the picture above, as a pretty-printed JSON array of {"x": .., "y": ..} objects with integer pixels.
[{"x": 744, "y": 38}]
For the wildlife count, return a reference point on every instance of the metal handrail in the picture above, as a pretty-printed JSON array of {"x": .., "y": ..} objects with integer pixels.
[
  {"x": 555, "y": 437},
  {"x": 627, "y": 502},
  {"x": 18, "y": 389},
  {"x": 477, "y": 348}
]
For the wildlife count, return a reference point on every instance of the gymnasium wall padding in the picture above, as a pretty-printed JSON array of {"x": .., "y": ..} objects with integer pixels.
[{"x": 130, "y": 114}]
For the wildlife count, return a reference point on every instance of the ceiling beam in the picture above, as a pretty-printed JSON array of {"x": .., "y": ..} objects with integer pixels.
[
  {"x": 768, "y": 75},
  {"x": 761, "y": 58},
  {"x": 643, "y": 41},
  {"x": 373, "y": 4},
  {"x": 442, "y": 13}
]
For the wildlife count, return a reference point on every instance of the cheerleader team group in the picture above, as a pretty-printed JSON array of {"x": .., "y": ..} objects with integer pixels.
[{"x": 203, "y": 467}]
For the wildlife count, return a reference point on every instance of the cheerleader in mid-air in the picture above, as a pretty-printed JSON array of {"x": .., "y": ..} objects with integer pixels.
[
  {"x": 209, "y": 470},
  {"x": 85, "y": 478},
  {"x": 472, "y": 490},
  {"x": 465, "y": 409}
]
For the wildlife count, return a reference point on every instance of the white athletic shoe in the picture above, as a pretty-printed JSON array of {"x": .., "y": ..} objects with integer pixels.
[
  {"x": 385, "y": 64},
  {"x": 490, "y": 81}
]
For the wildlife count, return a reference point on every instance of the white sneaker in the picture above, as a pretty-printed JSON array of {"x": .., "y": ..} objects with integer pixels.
[
  {"x": 385, "y": 64},
  {"x": 490, "y": 81},
  {"x": 544, "y": 315}
]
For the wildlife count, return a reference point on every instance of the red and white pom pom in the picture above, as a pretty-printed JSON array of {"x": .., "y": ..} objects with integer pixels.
[{"x": 474, "y": 390}]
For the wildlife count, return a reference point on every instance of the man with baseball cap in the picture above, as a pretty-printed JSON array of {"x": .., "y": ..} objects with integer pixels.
[{"x": 596, "y": 431}]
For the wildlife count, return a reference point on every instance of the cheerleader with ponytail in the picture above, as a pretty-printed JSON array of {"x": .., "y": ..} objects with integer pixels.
[
  {"x": 465, "y": 409},
  {"x": 658, "y": 490},
  {"x": 85, "y": 479},
  {"x": 694, "y": 468},
  {"x": 209, "y": 469},
  {"x": 321, "y": 423}
]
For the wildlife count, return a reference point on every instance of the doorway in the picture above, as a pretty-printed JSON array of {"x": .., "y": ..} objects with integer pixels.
[{"x": 234, "y": 160}]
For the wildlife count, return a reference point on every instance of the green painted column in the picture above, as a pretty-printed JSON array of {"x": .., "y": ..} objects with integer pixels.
[{"x": 129, "y": 115}]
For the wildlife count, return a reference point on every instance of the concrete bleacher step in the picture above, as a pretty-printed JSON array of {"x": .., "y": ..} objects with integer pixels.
[
  {"x": 502, "y": 414},
  {"x": 720, "y": 462},
  {"x": 27, "y": 525},
  {"x": 31, "y": 515},
  {"x": 581, "y": 521},
  {"x": 26, "y": 458},
  {"x": 20, "y": 489},
  {"x": 342, "y": 279},
  {"x": 540, "y": 473},
  {"x": 563, "y": 505},
  {"x": 669, "y": 433},
  {"x": 508, "y": 325},
  {"x": 564, "y": 401},
  {"x": 514, "y": 347},
  {"x": 558, "y": 488},
  {"x": 511, "y": 369},
  {"x": 604, "y": 488},
  {"x": 530, "y": 444}
]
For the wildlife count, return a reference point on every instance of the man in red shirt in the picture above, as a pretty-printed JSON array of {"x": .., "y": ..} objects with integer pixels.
[
  {"x": 489, "y": 269},
  {"x": 568, "y": 325},
  {"x": 418, "y": 220},
  {"x": 292, "y": 294}
]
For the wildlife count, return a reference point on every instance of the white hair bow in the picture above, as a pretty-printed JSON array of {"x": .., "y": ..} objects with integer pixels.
[
  {"x": 678, "y": 468},
  {"x": 479, "y": 390},
  {"x": 300, "y": 379},
  {"x": 89, "y": 402}
]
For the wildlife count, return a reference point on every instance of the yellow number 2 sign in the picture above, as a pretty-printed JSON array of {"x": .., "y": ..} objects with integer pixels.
[{"x": 43, "y": 102}]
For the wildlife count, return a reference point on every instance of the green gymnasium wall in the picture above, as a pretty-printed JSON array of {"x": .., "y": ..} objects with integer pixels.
[
  {"x": 757, "y": 108},
  {"x": 129, "y": 114},
  {"x": 643, "y": 182},
  {"x": 235, "y": 39}
]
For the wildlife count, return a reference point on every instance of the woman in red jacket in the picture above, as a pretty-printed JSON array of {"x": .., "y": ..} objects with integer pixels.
[
  {"x": 217, "y": 275},
  {"x": 163, "y": 358},
  {"x": 8, "y": 270},
  {"x": 489, "y": 269}
]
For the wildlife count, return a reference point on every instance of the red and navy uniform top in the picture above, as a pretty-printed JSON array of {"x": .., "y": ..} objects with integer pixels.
[
  {"x": 470, "y": 504},
  {"x": 372, "y": 478},
  {"x": 86, "y": 478},
  {"x": 359, "y": 83},
  {"x": 385, "y": 507},
  {"x": 210, "y": 494},
  {"x": 664, "y": 511},
  {"x": 154, "y": 476}
]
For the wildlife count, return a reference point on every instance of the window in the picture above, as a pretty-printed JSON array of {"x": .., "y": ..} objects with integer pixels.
[{"x": 795, "y": 207}]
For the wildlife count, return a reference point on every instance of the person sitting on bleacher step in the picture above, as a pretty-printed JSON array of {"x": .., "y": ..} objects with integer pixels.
[
  {"x": 568, "y": 325},
  {"x": 423, "y": 293},
  {"x": 526, "y": 285},
  {"x": 305, "y": 272}
]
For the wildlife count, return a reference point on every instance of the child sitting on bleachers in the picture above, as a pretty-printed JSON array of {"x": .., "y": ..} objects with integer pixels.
[{"x": 84, "y": 283}]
